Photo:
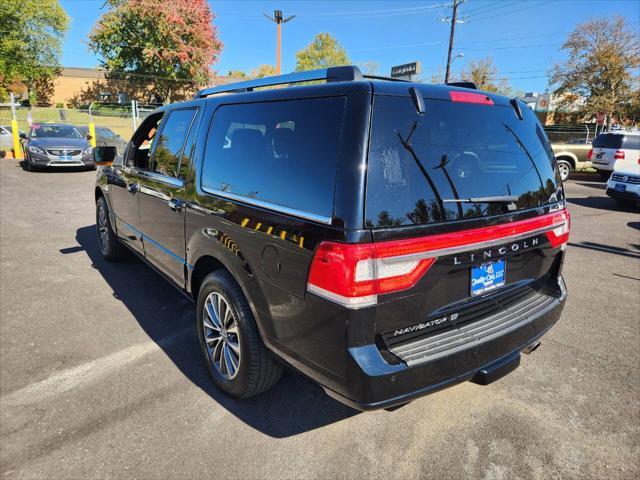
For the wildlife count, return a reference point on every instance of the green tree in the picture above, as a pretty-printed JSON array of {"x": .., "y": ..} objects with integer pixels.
[
  {"x": 484, "y": 74},
  {"x": 236, "y": 74},
  {"x": 175, "y": 42},
  {"x": 602, "y": 56},
  {"x": 31, "y": 33},
  {"x": 324, "y": 51},
  {"x": 263, "y": 71}
]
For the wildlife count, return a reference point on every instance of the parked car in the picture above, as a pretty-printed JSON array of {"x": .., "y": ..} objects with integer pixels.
[
  {"x": 105, "y": 137},
  {"x": 618, "y": 149},
  {"x": 571, "y": 156},
  {"x": 624, "y": 184},
  {"x": 387, "y": 239},
  {"x": 54, "y": 145},
  {"x": 6, "y": 138}
]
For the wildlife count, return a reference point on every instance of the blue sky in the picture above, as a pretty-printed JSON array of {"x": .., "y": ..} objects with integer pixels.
[{"x": 522, "y": 36}]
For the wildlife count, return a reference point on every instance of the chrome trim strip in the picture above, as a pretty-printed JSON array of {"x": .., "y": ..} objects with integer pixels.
[
  {"x": 270, "y": 206},
  {"x": 353, "y": 303},
  {"x": 160, "y": 177},
  {"x": 474, "y": 246}
]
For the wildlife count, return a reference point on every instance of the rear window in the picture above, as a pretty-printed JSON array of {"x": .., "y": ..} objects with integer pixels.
[
  {"x": 280, "y": 153},
  {"x": 616, "y": 140},
  {"x": 422, "y": 166}
]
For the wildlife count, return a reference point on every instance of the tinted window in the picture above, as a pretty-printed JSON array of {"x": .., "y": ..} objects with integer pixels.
[
  {"x": 282, "y": 153},
  {"x": 171, "y": 140},
  {"x": 631, "y": 142},
  {"x": 419, "y": 165},
  {"x": 608, "y": 140},
  {"x": 54, "y": 131}
]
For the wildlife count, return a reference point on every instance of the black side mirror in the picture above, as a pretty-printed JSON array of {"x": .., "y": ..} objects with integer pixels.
[
  {"x": 88, "y": 137},
  {"x": 23, "y": 136},
  {"x": 104, "y": 155}
]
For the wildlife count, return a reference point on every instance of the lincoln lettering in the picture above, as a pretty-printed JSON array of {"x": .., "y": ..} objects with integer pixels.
[{"x": 497, "y": 252}]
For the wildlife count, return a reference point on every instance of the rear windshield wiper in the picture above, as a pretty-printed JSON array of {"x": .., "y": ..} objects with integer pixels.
[
  {"x": 510, "y": 199},
  {"x": 494, "y": 199}
]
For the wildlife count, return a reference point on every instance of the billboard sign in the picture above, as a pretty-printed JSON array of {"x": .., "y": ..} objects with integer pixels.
[{"x": 406, "y": 70}]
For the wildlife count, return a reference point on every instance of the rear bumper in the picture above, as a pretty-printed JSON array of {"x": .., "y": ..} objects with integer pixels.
[
  {"x": 632, "y": 191},
  {"x": 373, "y": 383}
]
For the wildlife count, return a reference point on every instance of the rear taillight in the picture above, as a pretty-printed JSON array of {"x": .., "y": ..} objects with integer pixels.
[
  {"x": 619, "y": 155},
  {"x": 353, "y": 275},
  {"x": 560, "y": 235},
  {"x": 470, "y": 97},
  {"x": 590, "y": 154}
]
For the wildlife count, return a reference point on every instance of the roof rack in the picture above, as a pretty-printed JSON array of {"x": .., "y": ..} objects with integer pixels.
[
  {"x": 331, "y": 74},
  {"x": 389, "y": 79}
]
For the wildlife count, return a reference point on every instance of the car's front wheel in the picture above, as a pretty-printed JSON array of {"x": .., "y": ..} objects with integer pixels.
[
  {"x": 110, "y": 246},
  {"x": 565, "y": 169},
  {"x": 238, "y": 362}
]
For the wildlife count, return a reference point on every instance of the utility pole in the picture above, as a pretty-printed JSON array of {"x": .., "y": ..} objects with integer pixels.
[
  {"x": 454, "y": 20},
  {"x": 279, "y": 20}
]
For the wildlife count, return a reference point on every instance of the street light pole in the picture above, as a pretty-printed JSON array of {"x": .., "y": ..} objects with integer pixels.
[{"x": 279, "y": 20}]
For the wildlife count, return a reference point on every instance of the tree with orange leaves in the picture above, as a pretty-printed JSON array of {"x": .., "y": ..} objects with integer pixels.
[{"x": 168, "y": 44}]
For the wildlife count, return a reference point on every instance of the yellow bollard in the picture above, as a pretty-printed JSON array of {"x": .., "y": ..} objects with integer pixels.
[
  {"x": 92, "y": 132},
  {"x": 17, "y": 147}
]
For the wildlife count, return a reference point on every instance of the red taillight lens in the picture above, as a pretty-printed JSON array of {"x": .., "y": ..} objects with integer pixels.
[
  {"x": 469, "y": 97},
  {"x": 560, "y": 235},
  {"x": 590, "y": 154},
  {"x": 619, "y": 155},
  {"x": 354, "y": 275}
]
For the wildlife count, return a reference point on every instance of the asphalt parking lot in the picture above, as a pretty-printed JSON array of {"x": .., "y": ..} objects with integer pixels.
[{"x": 101, "y": 377}]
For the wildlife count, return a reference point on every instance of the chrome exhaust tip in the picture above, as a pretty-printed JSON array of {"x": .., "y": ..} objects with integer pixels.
[{"x": 530, "y": 348}]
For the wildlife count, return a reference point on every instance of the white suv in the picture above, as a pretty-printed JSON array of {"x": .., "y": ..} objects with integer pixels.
[
  {"x": 624, "y": 184},
  {"x": 620, "y": 149}
]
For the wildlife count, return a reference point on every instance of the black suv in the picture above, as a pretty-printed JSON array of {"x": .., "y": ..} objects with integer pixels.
[{"x": 385, "y": 238}]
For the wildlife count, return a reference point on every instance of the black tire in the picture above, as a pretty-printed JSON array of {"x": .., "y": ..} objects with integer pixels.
[
  {"x": 604, "y": 175},
  {"x": 110, "y": 247},
  {"x": 27, "y": 164},
  {"x": 565, "y": 169},
  {"x": 256, "y": 371}
]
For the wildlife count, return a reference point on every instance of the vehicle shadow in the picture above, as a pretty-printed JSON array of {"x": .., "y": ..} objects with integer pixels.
[
  {"x": 598, "y": 185},
  {"x": 601, "y": 247},
  {"x": 602, "y": 203},
  {"x": 295, "y": 405}
]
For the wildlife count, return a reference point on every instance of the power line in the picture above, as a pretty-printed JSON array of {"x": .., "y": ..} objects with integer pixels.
[
  {"x": 511, "y": 11},
  {"x": 492, "y": 7},
  {"x": 354, "y": 13}
]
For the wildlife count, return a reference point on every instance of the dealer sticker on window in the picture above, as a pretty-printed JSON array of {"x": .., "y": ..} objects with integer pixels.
[{"x": 486, "y": 277}]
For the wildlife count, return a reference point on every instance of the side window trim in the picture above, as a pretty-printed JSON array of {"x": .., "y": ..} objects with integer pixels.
[
  {"x": 160, "y": 177},
  {"x": 269, "y": 206},
  {"x": 165, "y": 119}
]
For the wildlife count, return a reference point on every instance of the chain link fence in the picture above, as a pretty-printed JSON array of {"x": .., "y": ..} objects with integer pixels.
[
  {"x": 572, "y": 134},
  {"x": 113, "y": 124}
]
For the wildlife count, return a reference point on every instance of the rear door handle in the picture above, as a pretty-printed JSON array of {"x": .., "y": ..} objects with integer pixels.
[
  {"x": 133, "y": 187},
  {"x": 175, "y": 204}
]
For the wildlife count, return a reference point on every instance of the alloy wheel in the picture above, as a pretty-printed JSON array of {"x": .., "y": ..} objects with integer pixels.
[
  {"x": 103, "y": 228},
  {"x": 221, "y": 336}
]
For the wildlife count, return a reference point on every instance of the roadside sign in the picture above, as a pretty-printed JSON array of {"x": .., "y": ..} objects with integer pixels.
[{"x": 406, "y": 71}]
